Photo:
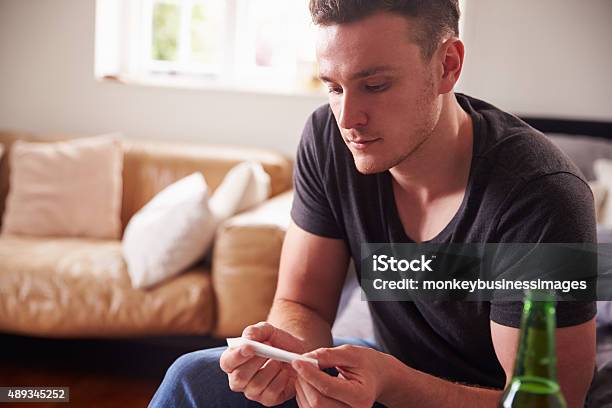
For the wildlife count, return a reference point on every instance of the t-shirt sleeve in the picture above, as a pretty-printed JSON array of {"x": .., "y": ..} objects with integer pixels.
[
  {"x": 311, "y": 209},
  {"x": 556, "y": 208}
]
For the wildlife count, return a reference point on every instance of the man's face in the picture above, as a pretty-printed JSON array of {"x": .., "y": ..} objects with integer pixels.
[{"x": 381, "y": 91}]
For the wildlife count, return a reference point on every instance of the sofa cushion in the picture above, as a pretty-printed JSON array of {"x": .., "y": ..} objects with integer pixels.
[
  {"x": 243, "y": 187},
  {"x": 177, "y": 227},
  {"x": 80, "y": 288},
  {"x": 65, "y": 189},
  {"x": 170, "y": 233}
]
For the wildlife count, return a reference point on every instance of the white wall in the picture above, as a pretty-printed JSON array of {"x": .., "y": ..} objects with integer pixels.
[
  {"x": 541, "y": 57},
  {"x": 548, "y": 57},
  {"x": 47, "y": 85}
]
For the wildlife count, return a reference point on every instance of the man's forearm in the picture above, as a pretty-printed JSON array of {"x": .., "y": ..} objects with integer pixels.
[
  {"x": 423, "y": 390},
  {"x": 302, "y": 322}
]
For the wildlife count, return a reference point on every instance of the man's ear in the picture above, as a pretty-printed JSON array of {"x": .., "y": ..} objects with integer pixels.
[{"x": 451, "y": 54}]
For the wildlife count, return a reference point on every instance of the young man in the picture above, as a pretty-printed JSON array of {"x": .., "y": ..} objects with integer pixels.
[{"x": 396, "y": 156}]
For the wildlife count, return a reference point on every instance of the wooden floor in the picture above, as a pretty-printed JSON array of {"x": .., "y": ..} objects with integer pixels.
[{"x": 100, "y": 373}]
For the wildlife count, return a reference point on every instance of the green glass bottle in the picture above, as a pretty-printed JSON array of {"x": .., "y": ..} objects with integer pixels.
[{"x": 534, "y": 383}]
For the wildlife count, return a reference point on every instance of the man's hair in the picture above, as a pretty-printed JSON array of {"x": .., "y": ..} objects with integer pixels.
[{"x": 436, "y": 18}]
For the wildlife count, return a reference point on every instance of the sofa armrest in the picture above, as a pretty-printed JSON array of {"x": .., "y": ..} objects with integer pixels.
[{"x": 245, "y": 264}]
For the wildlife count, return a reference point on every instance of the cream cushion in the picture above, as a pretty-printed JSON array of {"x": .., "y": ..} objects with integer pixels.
[
  {"x": 244, "y": 186},
  {"x": 65, "y": 189},
  {"x": 177, "y": 227},
  {"x": 603, "y": 172},
  {"x": 600, "y": 193},
  {"x": 170, "y": 233}
]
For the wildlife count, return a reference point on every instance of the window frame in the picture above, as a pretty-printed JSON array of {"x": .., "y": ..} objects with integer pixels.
[{"x": 125, "y": 54}]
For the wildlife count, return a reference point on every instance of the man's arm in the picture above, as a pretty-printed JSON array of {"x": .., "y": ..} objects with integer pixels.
[
  {"x": 575, "y": 364},
  {"x": 311, "y": 274},
  {"x": 424, "y": 390},
  {"x": 368, "y": 375}
]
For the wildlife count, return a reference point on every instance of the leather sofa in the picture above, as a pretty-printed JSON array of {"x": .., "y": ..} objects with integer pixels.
[{"x": 67, "y": 287}]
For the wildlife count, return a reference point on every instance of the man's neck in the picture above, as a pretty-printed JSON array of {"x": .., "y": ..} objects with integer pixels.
[{"x": 441, "y": 164}]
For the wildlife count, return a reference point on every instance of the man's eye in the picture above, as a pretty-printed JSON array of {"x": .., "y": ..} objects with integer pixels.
[
  {"x": 377, "y": 87},
  {"x": 333, "y": 90}
]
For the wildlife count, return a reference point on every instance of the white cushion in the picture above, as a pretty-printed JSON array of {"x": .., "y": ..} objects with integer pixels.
[
  {"x": 244, "y": 186},
  {"x": 65, "y": 189},
  {"x": 600, "y": 193},
  {"x": 169, "y": 233},
  {"x": 603, "y": 172},
  {"x": 176, "y": 228}
]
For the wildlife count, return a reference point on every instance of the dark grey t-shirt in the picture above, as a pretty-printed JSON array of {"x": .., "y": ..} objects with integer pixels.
[{"x": 521, "y": 189}]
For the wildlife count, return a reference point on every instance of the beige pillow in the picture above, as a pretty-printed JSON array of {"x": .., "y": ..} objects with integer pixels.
[
  {"x": 1, "y": 151},
  {"x": 65, "y": 189},
  {"x": 244, "y": 186}
]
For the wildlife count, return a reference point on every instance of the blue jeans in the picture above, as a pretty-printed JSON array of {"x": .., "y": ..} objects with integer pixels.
[{"x": 196, "y": 380}]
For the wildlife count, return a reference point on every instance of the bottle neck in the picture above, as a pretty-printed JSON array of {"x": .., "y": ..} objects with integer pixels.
[{"x": 536, "y": 355}]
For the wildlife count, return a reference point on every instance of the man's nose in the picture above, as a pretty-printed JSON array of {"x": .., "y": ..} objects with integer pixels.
[{"x": 352, "y": 114}]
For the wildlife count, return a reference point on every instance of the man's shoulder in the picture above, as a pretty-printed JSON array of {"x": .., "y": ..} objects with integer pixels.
[
  {"x": 522, "y": 181},
  {"x": 508, "y": 146},
  {"x": 526, "y": 154}
]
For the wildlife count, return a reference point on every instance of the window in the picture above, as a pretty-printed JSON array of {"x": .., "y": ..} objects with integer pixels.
[
  {"x": 255, "y": 44},
  {"x": 184, "y": 36}
]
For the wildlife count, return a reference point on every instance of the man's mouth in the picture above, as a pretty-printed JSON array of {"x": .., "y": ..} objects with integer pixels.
[{"x": 362, "y": 144}]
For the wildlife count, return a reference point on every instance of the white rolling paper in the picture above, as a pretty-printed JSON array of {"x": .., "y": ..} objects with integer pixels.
[{"x": 264, "y": 350}]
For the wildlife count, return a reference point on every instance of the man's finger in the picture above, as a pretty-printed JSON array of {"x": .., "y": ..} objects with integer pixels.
[
  {"x": 283, "y": 384},
  {"x": 317, "y": 399},
  {"x": 241, "y": 376},
  {"x": 262, "y": 331},
  {"x": 328, "y": 385},
  {"x": 233, "y": 358},
  {"x": 300, "y": 397},
  {"x": 281, "y": 389},
  {"x": 343, "y": 356},
  {"x": 262, "y": 379}
]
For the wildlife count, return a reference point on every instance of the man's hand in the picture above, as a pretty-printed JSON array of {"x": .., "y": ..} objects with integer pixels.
[
  {"x": 268, "y": 382},
  {"x": 359, "y": 382}
]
